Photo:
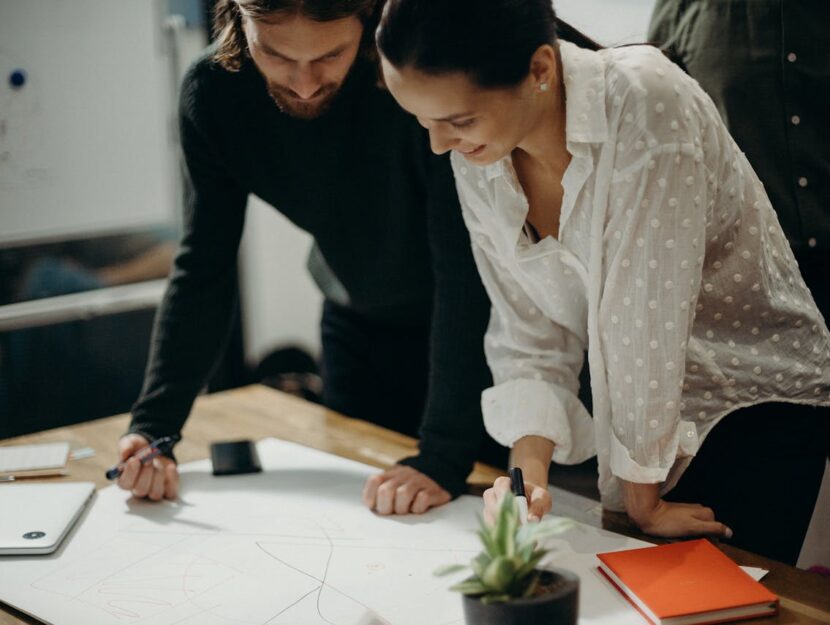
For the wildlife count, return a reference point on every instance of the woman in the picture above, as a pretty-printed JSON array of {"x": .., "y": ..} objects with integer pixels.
[{"x": 610, "y": 210}]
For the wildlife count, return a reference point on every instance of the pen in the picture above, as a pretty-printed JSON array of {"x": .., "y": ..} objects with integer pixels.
[
  {"x": 517, "y": 485},
  {"x": 145, "y": 454},
  {"x": 13, "y": 478}
]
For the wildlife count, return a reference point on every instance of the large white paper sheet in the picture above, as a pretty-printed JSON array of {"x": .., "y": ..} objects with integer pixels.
[{"x": 292, "y": 545}]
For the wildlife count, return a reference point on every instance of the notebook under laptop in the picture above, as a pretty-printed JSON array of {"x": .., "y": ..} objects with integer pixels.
[{"x": 35, "y": 518}]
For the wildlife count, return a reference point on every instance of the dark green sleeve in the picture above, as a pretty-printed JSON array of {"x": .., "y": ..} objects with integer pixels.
[
  {"x": 662, "y": 28},
  {"x": 453, "y": 428},
  {"x": 194, "y": 319}
]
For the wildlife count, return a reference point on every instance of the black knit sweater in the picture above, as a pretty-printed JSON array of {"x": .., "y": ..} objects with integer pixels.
[{"x": 384, "y": 216}]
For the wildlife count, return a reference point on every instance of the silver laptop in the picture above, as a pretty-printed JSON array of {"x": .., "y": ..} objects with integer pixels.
[{"x": 35, "y": 518}]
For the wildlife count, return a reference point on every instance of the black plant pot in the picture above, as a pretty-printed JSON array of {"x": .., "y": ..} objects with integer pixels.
[{"x": 559, "y": 607}]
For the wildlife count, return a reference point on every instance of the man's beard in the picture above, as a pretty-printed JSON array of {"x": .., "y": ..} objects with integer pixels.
[{"x": 291, "y": 105}]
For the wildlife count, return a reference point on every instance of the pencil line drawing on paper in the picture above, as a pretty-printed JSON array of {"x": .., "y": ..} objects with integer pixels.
[
  {"x": 323, "y": 583},
  {"x": 146, "y": 575},
  {"x": 290, "y": 546}
]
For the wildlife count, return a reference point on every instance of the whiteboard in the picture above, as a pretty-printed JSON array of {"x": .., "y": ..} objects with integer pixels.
[
  {"x": 293, "y": 545},
  {"x": 87, "y": 143}
]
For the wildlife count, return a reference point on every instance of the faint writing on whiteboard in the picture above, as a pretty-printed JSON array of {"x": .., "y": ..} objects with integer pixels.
[{"x": 21, "y": 130}]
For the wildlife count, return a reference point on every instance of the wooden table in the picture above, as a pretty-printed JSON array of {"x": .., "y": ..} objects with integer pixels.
[{"x": 257, "y": 412}]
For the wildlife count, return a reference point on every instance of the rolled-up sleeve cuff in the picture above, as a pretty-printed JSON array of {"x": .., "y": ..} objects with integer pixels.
[
  {"x": 684, "y": 443},
  {"x": 446, "y": 475},
  {"x": 519, "y": 408}
]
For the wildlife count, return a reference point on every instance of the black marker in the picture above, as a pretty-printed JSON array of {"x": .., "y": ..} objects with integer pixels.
[{"x": 517, "y": 485}]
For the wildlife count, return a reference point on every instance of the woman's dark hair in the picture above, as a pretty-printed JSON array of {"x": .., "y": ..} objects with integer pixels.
[
  {"x": 232, "y": 47},
  {"x": 492, "y": 41}
]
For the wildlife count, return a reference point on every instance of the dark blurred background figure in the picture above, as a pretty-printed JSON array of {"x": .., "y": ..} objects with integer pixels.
[
  {"x": 766, "y": 65},
  {"x": 63, "y": 373},
  {"x": 292, "y": 370}
]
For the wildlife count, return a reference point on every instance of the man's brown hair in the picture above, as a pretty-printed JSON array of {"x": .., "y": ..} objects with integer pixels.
[{"x": 232, "y": 47}]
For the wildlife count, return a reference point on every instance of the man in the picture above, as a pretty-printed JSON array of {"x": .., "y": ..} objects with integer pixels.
[{"x": 287, "y": 106}]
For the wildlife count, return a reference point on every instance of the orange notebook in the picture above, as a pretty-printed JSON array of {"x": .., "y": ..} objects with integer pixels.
[{"x": 686, "y": 583}]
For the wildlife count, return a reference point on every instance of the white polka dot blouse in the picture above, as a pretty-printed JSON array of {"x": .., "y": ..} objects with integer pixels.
[{"x": 670, "y": 269}]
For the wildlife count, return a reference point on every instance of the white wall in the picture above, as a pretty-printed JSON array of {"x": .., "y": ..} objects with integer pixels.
[
  {"x": 280, "y": 302},
  {"x": 816, "y": 549},
  {"x": 610, "y": 22}
]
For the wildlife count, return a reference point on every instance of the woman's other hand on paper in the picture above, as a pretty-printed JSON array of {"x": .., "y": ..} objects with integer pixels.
[{"x": 657, "y": 517}]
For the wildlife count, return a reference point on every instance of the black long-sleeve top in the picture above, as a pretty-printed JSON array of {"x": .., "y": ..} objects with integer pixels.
[{"x": 384, "y": 216}]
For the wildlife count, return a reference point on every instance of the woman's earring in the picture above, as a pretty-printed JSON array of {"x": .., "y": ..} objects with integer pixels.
[{"x": 543, "y": 86}]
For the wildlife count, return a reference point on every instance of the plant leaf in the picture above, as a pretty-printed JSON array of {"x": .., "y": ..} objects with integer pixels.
[
  {"x": 497, "y": 598},
  {"x": 506, "y": 524},
  {"x": 470, "y": 586},
  {"x": 531, "y": 587},
  {"x": 530, "y": 565},
  {"x": 499, "y": 574},
  {"x": 549, "y": 526},
  {"x": 448, "y": 569},
  {"x": 486, "y": 536},
  {"x": 479, "y": 563},
  {"x": 525, "y": 552}
]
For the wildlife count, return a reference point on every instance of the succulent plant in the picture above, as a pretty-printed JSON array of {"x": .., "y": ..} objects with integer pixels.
[{"x": 506, "y": 568}]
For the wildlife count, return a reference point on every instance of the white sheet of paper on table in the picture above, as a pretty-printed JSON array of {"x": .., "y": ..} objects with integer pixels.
[
  {"x": 33, "y": 457},
  {"x": 293, "y": 544}
]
